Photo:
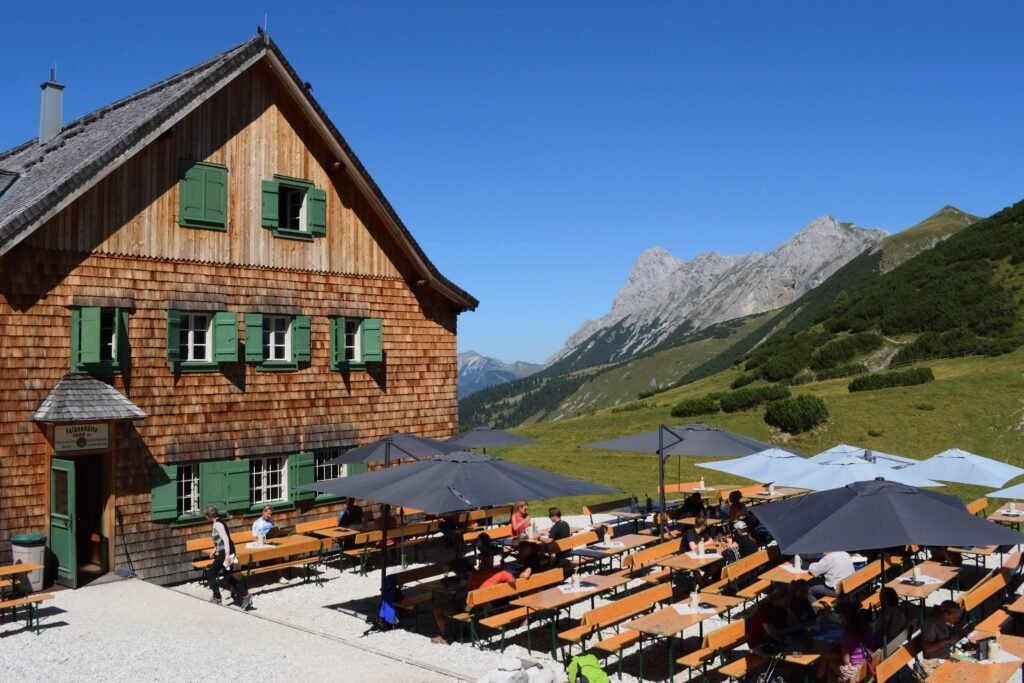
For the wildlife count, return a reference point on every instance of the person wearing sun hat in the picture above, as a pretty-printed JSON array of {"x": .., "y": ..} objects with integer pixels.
[{"x": 746, "y": 542}]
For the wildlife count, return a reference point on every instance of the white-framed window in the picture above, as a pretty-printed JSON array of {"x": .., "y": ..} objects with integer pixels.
[
  {"x": 353, "y": 340},
  {"x": 277, "y": 337},
  {"x": 188, "y": 490},
  {"x": 268, "y": 479},
  {"x": 195, "y": 337},
  {"x": 291, "y": 204},
  {"x": 108, "y": 334},
  {"x": 324, "y": 470}
]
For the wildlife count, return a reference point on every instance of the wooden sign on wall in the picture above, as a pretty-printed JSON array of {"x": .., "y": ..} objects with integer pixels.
[{"x": 80, "y": 437}]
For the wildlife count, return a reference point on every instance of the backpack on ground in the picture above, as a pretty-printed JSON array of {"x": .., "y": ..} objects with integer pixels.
[{"x": 586, "y": 669}]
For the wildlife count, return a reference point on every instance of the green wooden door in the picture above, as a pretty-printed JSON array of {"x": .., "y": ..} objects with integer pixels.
[{"x": 62, "y": 520}]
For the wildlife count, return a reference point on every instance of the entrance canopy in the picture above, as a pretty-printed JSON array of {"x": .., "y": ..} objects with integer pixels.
[{"x": 81, "y": 398}]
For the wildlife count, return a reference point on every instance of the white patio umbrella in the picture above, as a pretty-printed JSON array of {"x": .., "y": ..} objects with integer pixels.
[
  {"x": 829, "y": 476},
  {"x": 966, "y": 468},
  {"x": 766, "y": 467},
  {"x": 1015, "y": 492},
  {"x": 845, "y": 450}
]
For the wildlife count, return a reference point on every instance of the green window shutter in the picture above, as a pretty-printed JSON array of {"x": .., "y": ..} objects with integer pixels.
[
  {"x": 225, "y": 336},
  {"x": 164, "y": 492},
  {"x": 269, "y": 204},
  {"x": 191, "y": 191},
  {"x": 122, "y": 349},
  {"x": 253, "y": 337},
  {"x": 236, "y": 484},
  {"x": 215, "y": 190},
  {"x": 337, "y": 341},
  {"x": 371, "y": 330},
  {"x": 301, "y": 471},
  {"x": 300, "y": 339},
  {"x": 356, "y": 468},
  {"x": 316, "y": 211},
  {"x": 76, "y": 337},
  {"x": 211, "y": 484},
  {"x": 89, "y": 335},
  {"x": 173, "y": 335}
]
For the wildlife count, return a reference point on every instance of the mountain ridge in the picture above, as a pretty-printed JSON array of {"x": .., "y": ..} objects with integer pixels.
[{"x": 477, "y": 371}]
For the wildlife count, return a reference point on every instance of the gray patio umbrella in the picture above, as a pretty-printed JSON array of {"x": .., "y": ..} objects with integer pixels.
[
  {"x": 489, "y": 437},
  {"x": 455, "y": 482},
  {"x": 966, "y": 468},
  {"x": 692, "y": 439},
  {"x": 398, "y": 445},
  {"x": 870, "y": 515}
]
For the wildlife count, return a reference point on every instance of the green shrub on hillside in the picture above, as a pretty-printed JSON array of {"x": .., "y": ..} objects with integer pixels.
[
  {"x": 802, "y": 377},
  {"x": 751, "y": 397},
  {"x": 844, "y": 348},
  {"x": 893, "y": 378},
  {"x": 744, "y": 379},
  {"x": 797, "y": 414},
  {"x": 703, "y": 405},
  {"x": 632, "y": 406}
]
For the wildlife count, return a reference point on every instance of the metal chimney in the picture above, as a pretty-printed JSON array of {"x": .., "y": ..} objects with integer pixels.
[{"x": 51, "y": 105}]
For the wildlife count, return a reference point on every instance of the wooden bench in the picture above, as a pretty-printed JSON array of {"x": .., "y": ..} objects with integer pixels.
[
  {"x": 891, "y": 665},
  {"x": 642, "y": 560},
  {"x": 615, "y": 613},
  {"x": 977, "y": 507},
  {"x": 716, "y": 643},
  {"x": 31, "y": 604},
  {"x": 310, "y": 557},
  {"x": 316, "y": 525},
  {"x": 411, "y": 598},
  {"x": 995, "y": 622},
  {"x": 853, "y": 583},
  {"x": 989, "y": 587},
  {"x": 744, "y": 491},
  {"x": 489, "y": 607},
  {"x": 606, "y": 506},
  {"x": 685, "y": 487},
  {"x": 202, "y": 547},
  {"x": 365, "y": 544},
  {"x": 494, "y": 533},
  {"x": 736, "y": 573}
]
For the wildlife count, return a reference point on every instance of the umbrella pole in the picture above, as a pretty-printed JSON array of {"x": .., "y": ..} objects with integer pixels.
[
  {"x": 661, "y": 478},
  {"x": 384, "y": 532}
]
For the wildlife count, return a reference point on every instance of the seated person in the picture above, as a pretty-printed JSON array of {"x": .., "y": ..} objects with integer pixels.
[
  {"x": 528, "y": 559},
  {"x": 350, "y": 515},
  {"x": 520, "y": 519},
  {"x": 771, "y": 620},
  {"x": 559, "y": 527},
  {"x": 828, "y": 572},
  {"x": 447, "y": 605},
  {"x": 392, "y": 523},
  {"x": 693, "y": 506},
  {"x": 737, "y": 508},
  {"x": 746, "y": 542},
  {"x": 728, "y": 548},
  {"x": 938, "y": 635},
  {"x": 263, "y": 524},
  {"x": 891, "y": 620},
  {"x": 697, "y": 533},
  {"x": 800, "y": 603},
  {"x": 856, "y": 646}
]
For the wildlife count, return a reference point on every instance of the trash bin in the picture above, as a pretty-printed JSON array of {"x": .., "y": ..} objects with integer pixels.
[{"x": 30, "y": 549}]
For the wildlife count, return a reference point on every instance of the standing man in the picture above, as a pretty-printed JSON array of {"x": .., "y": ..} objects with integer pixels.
[{"x": 223, "y": 556}]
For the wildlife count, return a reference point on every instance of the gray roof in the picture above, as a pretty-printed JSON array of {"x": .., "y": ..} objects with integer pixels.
[
  {"x": 85, "y": 148},
  {"x": 7, "y": 179},
  {"x": 81, "y": 398}
]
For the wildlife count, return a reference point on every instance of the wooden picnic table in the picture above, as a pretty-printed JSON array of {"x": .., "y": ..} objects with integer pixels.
[
  {"x": 909, "y": 591},
  {"x": 668, "y": 622},
  {"x": 781, "y": 493},
  {"x": 685, "y": 561},
  {"x": 978, "y": 553},
  {"x": 20, "y": 568},
  {"x": 779, "y": 574},
  {"x": 957, "y": 671},
  {"x": 337, "y": 533},
  {"x": 276, "y": 548},
  {"x": 1005, "y": 516},
  {"x": 559, "y": 597},
  {"x": 707, "y": 491}
]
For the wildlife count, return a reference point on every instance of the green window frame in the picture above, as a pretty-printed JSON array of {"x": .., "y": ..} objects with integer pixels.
[
  {"x": 99, "y": 340},
  {"x": 221, "y": 340},
  {"x": 261, "y": 333},
  {"x": 322, "y": 471},
  {"x": 176, "y": 494},
  {"x": 286, "y": 220},
  {"x": 356, "y": 342},
  {"x": 202, "y": 195}
]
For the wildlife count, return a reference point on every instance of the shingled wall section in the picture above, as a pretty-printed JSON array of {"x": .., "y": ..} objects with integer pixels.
[{"x": 235, "y": 412}]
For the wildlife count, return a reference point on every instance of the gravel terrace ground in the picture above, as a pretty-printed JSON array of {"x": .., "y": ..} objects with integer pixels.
[{"x": 131, "y": 630}]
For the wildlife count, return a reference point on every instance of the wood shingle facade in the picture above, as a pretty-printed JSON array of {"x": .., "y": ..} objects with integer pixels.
[{"x": 103, "y": 274}]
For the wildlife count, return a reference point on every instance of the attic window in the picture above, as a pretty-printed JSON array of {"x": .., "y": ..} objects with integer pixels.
[{"x": 294, "y": 208}]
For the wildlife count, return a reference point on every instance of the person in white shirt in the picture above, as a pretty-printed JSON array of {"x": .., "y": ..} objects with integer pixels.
[
  {"x": 263, "y": 523},
  {"x": 827, "y": 573}
]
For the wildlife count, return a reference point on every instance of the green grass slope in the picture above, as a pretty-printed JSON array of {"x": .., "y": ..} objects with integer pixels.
[{"x": 975, "y": 403}]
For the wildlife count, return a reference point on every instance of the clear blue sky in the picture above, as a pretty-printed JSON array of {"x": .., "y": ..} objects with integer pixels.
[{"x": 536, "y": 148}]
